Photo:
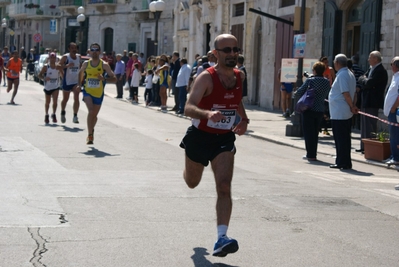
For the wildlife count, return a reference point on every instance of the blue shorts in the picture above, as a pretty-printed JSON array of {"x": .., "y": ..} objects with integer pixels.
[
  {"x": 96, "y": 100},
  {"x": 68, "y": 87},
  {"x": 288, "y": 87}
]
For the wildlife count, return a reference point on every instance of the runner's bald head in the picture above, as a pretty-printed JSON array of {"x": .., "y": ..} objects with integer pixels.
[{"x": 223, "y": 37}]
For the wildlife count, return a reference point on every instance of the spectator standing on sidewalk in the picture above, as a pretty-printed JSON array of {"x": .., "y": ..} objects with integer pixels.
[
  {"x": 23, "y": 54},
  {"x": 135, "y": 83},
  {"x": 205, "y": 64},
  {"x": 181, "y": 83},
  {"x": 241, "y": 67},
  {"x": 129, "y": 71},
  {"x": 6, "y": 57},
  {"x": 342, "y": 109},
  {"x": 358, "y": 72},
  {"x": 163, "y": 72},
  {"x": 30, "y": 59},
  {"x": 125, "y": 58},
  {"x": 148, "y": 87},
  {"x": 311, "y": 118},
  {"x": 120, "y": 76},
  {"x": 391, "y": 105},
  {"x": 174, "y": 71},
  {"x": 373, "y": 84},
  {"x": 286, "y": 89}
]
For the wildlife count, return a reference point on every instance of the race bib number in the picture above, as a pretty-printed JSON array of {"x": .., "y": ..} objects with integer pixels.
[
  {"x": 93, "y": 83},
  {"x": 14, "y": 73},
  {"x": 53, "y": 81},
  {"x": 224, "y": 124},
  {"x": 74, "y": 69}
]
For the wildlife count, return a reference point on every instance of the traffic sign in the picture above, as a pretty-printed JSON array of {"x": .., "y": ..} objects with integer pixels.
[
  {"x": 299, "y": 45},
  {"x": 289, "y": 68},
  {"x": 37, "y": 38}
]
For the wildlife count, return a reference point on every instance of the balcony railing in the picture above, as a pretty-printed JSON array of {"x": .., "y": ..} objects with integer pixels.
[
  {"x": 64, "y": 3},
  {"x": 5, "y": 2},
  {"x": 43, "y": 12},
  {"x": 17, "y": 10},
  {"x": 102, "y": 1}
]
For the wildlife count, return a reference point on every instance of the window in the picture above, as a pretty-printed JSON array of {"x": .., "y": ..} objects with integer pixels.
[
  {"x": 238, "y": 10},
  {"x": 285, "y": 3}
]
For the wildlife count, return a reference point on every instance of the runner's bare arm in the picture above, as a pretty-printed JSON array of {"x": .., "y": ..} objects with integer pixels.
[
  {"x": 202, "y": 87},
  {"x": 61, "y": 64},
  {"x": 111, "y": 75},
  {"x": 241, "y": 127},
  {"x": 81, "y": 73},
  {"x": 7, "y": 66},
  {"x": 42, "y": 72}
]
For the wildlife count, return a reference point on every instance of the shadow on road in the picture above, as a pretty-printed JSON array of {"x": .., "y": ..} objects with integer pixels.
[
  {"x": 72, "y": 130},
  {"x": 200, "y": 260},
  {"x": 98, "y": 153},
  {"x": 350, "y": 171}
]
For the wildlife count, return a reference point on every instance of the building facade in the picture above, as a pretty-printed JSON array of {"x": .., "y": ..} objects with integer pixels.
[
  {"x": 116, "y": 25},
  {"x": 190, "y": 26},
  {"x": 335, "y": 26}
]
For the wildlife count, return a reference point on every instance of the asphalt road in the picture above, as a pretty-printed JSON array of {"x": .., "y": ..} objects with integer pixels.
[{"x": 123, "y": 202}]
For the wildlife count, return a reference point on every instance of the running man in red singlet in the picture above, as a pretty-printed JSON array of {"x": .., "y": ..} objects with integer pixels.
[{"x": 217, "y": 115}]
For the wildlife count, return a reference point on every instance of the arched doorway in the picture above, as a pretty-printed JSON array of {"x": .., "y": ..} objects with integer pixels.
[
  {"x": 108, "y": 40},
  {"x": 352, "y": 30},
  {"x": 284, "y": 43}
]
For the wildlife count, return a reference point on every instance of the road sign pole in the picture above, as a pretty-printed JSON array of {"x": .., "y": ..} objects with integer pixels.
[{"x": 295, "y": 127}]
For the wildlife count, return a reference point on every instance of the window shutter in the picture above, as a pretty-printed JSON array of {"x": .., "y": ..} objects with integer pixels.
[{"x": 332, "y": 22}]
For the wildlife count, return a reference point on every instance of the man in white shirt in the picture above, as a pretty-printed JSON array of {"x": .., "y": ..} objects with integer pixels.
[
  {"x": 391, "y": 105},
  {"x": 342, "y": 109},
  {"x": 182, "y": 82}
]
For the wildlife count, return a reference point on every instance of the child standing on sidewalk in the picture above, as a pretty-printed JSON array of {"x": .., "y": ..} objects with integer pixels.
[
  {"x": 148, "y": 87},
  {"x": 135, "y": 83}
]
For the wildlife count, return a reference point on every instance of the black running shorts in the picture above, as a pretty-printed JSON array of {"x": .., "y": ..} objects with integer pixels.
[{"x": 203, "y": 147}]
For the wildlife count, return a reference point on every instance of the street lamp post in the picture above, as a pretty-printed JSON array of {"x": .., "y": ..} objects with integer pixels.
[
  {"x": 157, "y": 7},
  {"x": 81, "y": 18},
  {"x": 4, "y": 26}
]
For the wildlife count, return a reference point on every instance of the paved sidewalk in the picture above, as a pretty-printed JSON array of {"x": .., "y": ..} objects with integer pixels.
[{"x": 270, "y": 125}]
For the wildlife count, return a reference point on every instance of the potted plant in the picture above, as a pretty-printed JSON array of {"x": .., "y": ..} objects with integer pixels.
[{"x": 377, "y": 148}]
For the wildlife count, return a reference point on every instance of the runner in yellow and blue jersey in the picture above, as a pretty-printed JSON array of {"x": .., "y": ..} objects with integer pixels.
[{"x": 93, "y": 75}]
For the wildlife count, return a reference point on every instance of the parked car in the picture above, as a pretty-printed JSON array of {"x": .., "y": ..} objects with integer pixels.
[
  {"x": 83, "y": 59},
  {"x": 39, "y": 65}
]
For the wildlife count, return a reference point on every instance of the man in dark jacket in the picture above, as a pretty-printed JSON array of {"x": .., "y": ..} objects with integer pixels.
[
  {"x": 30, "y": 59},
  {"x": 373, "y": 84},
  {"x": 174, "y": 70}
]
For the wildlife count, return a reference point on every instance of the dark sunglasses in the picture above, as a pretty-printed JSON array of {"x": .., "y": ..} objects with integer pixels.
[
  {"x": 93, "y": 49},
  {"x": 228, "y": 50}
]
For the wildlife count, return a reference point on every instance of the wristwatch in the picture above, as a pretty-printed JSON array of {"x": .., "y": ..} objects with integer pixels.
[{"x": 245, "y": 119}]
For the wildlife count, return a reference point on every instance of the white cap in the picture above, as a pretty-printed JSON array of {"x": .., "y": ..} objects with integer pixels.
[{"x": 22, "y": 47}]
